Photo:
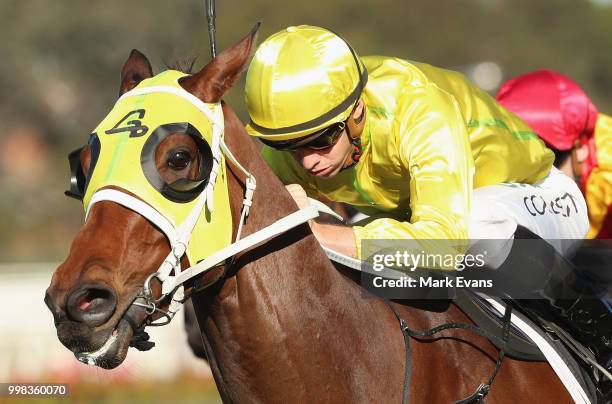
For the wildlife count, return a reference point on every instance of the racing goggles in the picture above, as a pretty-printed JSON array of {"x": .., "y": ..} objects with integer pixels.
[{"x": 317, "y": 141}]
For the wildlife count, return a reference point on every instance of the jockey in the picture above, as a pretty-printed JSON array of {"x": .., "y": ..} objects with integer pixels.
[
  {"x": 564, "y": 117},
  {"x": 419, "y": 144},
  {"x": 581, "y": 138}
]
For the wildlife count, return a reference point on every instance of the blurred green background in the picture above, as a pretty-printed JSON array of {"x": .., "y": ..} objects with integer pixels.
[{"x": 60, "y": 64}]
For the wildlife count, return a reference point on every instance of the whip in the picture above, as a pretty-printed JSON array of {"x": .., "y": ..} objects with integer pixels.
[{"x": 210, "y": 17}]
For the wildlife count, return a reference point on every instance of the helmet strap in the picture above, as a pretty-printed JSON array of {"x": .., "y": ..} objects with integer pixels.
[
  {"x": 356, "y": 155},
  {"x": 354, "y": 129}
]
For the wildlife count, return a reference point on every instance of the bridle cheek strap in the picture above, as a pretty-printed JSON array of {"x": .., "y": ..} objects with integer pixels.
[{"x": 178, "y": 239}]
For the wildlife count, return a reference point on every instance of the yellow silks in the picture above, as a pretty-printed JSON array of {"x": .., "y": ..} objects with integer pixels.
[
  {"x": 430, "y": 138},
  {"x": 598, "y": 192},
  {"x": 123, "y": 134},
  {"x": 292, "y": 67}
]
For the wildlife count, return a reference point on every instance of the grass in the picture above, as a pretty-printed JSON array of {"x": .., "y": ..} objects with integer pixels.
[{"x": 183, "y": 389}]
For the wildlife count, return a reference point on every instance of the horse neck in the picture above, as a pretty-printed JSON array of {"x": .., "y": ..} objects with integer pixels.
[
  {"x": 271, "y": 202},
  {"x": 270, "y": 290}
]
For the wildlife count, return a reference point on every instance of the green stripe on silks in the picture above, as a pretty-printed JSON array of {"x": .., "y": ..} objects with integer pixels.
[
  {"x": 498, "y": 123},
  {"x": 364, "y": 195},
  {"x": 380, "y": 111}
]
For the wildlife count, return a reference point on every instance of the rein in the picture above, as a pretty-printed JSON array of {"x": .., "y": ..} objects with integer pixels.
[{"x": 172, "y": 285}]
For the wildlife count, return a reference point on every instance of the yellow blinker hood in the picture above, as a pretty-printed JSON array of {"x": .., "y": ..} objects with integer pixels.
[{"x": 123, "y": 156}]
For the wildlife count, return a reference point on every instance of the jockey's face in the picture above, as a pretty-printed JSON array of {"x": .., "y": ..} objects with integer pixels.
[
  {"x": 575, "y": 165},
  {"x": 326, "y": 162},
  {"x": 580, "y": 155}
]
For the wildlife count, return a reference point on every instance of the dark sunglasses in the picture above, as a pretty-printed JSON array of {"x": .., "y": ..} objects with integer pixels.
[{"x": 317, "y": 141}]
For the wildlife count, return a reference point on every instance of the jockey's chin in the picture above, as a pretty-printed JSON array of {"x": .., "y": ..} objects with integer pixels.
[{"x": 327, "y": 172}]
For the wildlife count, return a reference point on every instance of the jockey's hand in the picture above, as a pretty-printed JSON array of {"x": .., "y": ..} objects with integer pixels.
[
  {"x": 298, "y": 194},
  {"x": 338, "y": 238}
]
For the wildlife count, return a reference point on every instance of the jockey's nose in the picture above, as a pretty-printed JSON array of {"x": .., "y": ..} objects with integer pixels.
[
  {"x": 307, "y": 158},
  {"x": 91, "y": 304}
]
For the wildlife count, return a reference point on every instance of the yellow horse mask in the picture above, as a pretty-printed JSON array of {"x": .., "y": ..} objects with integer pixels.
[
  {"x": 123, "y": 170},
  {"x": 123, "y": 147}
]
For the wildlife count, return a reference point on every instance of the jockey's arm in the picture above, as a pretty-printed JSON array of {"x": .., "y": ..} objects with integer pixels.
[
  {"x": 337, "y": 238},
  {"x": 599, "y": 199},
  {"x": 435, "y": 151}
]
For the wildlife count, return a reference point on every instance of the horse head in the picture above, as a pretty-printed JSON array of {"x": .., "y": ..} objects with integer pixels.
[{"x": 159, "y": 151}]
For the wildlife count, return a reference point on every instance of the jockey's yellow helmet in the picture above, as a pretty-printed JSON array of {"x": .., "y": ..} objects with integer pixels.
[{"x": 301, "y": 80}]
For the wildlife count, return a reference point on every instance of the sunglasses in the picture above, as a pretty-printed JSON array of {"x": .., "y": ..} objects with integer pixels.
[{"x": 317, "y": 141}]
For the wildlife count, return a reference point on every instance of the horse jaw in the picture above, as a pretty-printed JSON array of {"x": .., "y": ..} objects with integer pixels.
[{"x": 114, "y": 351}]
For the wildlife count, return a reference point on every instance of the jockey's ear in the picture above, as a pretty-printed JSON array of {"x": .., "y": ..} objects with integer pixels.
[
  {"x": 356, "y": 122},
  {"x": 579, "y": 156},
  {"x": 136, "y": 69},
  {"x": 212, "y": 82}
]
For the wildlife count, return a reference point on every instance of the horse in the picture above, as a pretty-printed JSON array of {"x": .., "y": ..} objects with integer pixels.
[{"x": 282, "y": 324}]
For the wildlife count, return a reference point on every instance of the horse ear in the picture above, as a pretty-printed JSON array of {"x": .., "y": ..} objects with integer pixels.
[
  {"x": 211, "y": 83},
  {"x": 136, "y": 69}
]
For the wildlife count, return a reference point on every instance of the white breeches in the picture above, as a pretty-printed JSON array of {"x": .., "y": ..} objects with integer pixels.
[{"x": 553, "y": 208}]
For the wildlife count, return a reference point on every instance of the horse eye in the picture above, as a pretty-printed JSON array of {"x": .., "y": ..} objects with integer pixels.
[{"x": 178, "y": 159}]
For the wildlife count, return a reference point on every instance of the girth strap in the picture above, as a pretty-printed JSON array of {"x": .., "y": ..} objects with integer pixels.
[
  {"x": 408, "y": 366},
  {"x": 483, "y": 389}
]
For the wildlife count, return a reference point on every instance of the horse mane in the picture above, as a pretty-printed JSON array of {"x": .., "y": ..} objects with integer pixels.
[{"x": 182, "y": 64}]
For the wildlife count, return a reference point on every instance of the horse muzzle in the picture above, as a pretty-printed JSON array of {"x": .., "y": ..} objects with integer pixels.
[{"x": 91, "y": 325}]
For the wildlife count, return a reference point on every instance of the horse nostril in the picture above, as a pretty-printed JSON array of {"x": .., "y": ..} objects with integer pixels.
[
  {"x": 91, "y": 304},
  {"x": 55, "y": 310}
]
